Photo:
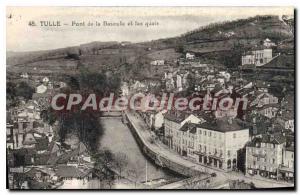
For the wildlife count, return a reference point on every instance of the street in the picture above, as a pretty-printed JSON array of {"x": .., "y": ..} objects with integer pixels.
[{"x": 163, "y": 150}]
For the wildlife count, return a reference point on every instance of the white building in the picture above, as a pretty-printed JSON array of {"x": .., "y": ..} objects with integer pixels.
[
  {"x": 268, "y": 43},
  {"x": 260, "y": 99},
  {"x": 157, "y": 119},
  {"x": 125, "y": 89},
  {"x": 179, "y": 82},
  {"x": 264, "y": 155},
  {"x": 257, "y": 57},
  {"x": 216, "y": 143},
  {"x": 189, "y": 56},
  {"x": 46, "y": 80},
  {"x": 41, "y": 88},
  {"x": 157, "y": 62},
  {"x": 25, "y": 75},
  {"x": 173, "y": 122}
]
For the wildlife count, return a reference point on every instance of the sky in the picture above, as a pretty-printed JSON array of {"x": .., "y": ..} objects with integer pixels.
[{"x": 168, "y": 22}]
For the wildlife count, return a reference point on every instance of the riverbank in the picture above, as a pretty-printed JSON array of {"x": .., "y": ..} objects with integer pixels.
[
  {"x": 166, "y": 158},
  {"x": 118, "y": 138}
]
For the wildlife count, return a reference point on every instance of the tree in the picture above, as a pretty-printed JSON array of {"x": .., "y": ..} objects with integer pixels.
[
  {"x": 232, "y": 59},
  {"x": 132, "y": 174},
  {"x": 179, "y": 49},
  {"x": 84, "y": 123},
  {"x": 103, "y": 160},
  {"x": 24, "y": 90},
  {"x": 48, "y": 116},
  {"x": 73, "y": 56},
  {"x": 120, "y": 162},
  {"x": 11, "y": 97}
]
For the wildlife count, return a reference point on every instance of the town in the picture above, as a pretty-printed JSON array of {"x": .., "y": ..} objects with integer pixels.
[{"x": 205, "y": 148}]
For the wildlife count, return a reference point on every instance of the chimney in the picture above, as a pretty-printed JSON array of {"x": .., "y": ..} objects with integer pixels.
[
  {"x": 230, "y": 120},
  {"x": 20, "y": 127},
  {"x": 271, "y": 137},
  {"x": 254, "y": 120}
]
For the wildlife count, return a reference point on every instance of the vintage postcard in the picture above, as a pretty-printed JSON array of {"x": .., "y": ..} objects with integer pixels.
[{"x": 150, "y": 98}]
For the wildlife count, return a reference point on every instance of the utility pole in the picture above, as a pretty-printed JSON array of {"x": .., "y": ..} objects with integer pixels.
[{"x": 146, "y": 171}]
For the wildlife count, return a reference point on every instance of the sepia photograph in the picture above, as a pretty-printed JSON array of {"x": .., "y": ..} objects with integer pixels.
[{"x": 150, "y": 98}]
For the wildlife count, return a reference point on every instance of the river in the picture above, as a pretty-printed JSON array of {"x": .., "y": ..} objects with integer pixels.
[{"x": 118, "y": 138}]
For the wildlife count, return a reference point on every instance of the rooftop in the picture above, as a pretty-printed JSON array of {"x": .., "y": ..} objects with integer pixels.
[
  {"x": 267, "y": 138},
  {"x": 224, "y": 125},
  {"x": 71, "y": 171},
  {"x": 178, "y": 118},
  {"x": 191, "y": 127}
]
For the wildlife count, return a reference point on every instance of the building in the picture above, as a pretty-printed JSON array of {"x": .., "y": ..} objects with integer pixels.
[
  {"x": 260, "y": 99},
  {"x": 268, "y": 43},
  {"x": 218, "y": 143},
  {"x": 46, "y": 80},
  {"x": 24, "y": 75},
  {"x": 232, "y": 112},
  {"x": 172, "y": 123},
  {"x": 269, "y": 110},
  {"x": 125, "y": 89},
  {"x": 257, "y": 57},
  {"x": 189, "y": 56},
  {"x": 41, "y": 89},
  {"x": 287, "y": 168},
  {"x": 73, "y": 176},
  {"x": 264, "y": 155},
  {"x": 157, "y": 62},
  {"x": 158, "y": 119},
  {"x": 286, "y": 119},
  {"x": 186, "y": 137},
  {"x": 179, "y": 82},
  {"x": 248, "y": 59}
]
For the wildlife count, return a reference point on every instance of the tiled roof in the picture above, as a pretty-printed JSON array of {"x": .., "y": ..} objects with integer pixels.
[
  {"x": 174, "y": 118},
  {"x": 266, "y": 138},
  {"x": 29, "y": 139},
  {"x": 269, "y": 106},
  {"x": 42, "y": 143},
  {"x": 191, "y": 127},
  {"x": 42, "y": 159},
  {"x": 224, "y": 125},
  {"x": 71, "y": 172},
  {"x": 32, "y": 172},
  {"x": 64, "y": 158}
]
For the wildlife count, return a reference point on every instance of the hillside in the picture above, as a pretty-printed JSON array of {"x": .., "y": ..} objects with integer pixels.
[{"x": 220, "y": 43}]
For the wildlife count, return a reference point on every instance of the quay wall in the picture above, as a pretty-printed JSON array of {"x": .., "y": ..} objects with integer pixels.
[{"x": 155, "y": 156}]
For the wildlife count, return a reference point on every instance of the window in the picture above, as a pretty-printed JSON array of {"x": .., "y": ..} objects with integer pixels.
[
  {"x": 228, "y": 153},
  {"x": 273, "y": 161},
  {"x": 209, "y": 134},
  {"x": 234, "y": 135},
  {"x": 205, "y": 133}
]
